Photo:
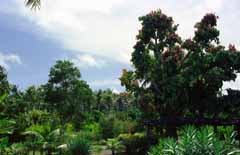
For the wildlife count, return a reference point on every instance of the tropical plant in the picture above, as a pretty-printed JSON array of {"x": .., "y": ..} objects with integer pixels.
[
  {"x": 192, "y": 141},
  {"x": 93, "y": 129},
  {"x": 42, "y": 138},
  {"x": 135, "y": 144},
  {"x": 18, "y": 149},
  {"x": 114, "y": 145},
  {"x": 7, "y": 126},
  {"x": 79, "y": 145},
  {"x": 120, "y": 127},
  {"x": 3, "y": 144},
  {"x": 107, "y": 124}
]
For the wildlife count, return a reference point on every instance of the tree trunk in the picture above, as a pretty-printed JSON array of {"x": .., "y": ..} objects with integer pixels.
[{"x": 113, "y": 152}]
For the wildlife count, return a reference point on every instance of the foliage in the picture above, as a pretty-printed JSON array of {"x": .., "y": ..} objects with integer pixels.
[
  {"x": 3, "y": 144},
  {"x": 173, "y": 77},
  {"x": 34, "y": 98},
  {"x": 79, "y": 145},
  {"x": 135, "y": 144},
  {"x": 120, "y": 127},
  {"x": 6, "y": 126},
  {"x": 93, "y": 129},
  {"x": 107, "y": 124},
  {"x": 37, "y": 116},
  {"x": 43, "y": 138},
  {"x": 4, "y": 85},
  {"x": 66, "y": 93},
  {"x": 193, "y": 141},
  {"x": 114, "y": 145}
]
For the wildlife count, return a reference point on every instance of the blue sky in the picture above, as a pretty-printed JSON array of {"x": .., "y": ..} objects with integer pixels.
[{"x": 96, "y": 35}]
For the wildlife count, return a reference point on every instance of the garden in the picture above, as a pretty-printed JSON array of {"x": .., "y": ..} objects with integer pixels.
[{"x": 175, "y": 85}]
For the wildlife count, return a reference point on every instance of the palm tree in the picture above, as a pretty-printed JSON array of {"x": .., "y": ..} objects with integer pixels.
[
  {"x": 33, "y": 4},
  {"x": 47, "y": 143}
]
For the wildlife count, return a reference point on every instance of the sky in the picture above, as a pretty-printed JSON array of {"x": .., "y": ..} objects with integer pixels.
[{"x": 97, "y": 36}]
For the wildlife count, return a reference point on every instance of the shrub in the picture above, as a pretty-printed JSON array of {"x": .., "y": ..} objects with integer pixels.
[
  {"x": 43, "y": 129},
  {"x": 93, "y": 130},
  {"x": 120, "y": 127},
  {"x": 79, "y": 146},
  {"x": 113, "y": 126},
  {"x": 135, "y": 144},
  {"x": 107, "y": 124},
  {"x": 69, "y": 128},
  {"x": 192, "y": 141},
  {"x": 114, "y": 145},
  {"x": 37, "y": 116}
]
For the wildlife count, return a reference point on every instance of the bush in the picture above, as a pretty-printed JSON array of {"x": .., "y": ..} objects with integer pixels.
[
  {"x": 135, "y": 144},
  {"x": 192, "y": 142},
  {"x": 114, "y": 145},
  {"x": 120, "y": 127},
  {"x": 93, "y": 130},
  {"x": 43, "y": 129},
  {"x": 112, "y": 126},
  {"x": 107, "y": 124},
  {"x": 79, "y": 146}
]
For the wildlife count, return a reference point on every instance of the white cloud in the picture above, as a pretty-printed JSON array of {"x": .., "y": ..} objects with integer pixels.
[
  {"x": 7, "y": 59},
  {"x": 108, "y": 28},
  {"x": 116, "y": 91},
  {"x": 85, "y": 61},
  {"x": 232, "y": 84},
  {"x": 105, "y": 82}
]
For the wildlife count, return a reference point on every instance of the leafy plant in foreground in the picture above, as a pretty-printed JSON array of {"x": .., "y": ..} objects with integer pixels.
[
  {"x": 193, "y": 142},
  {"x": 79, "y": 145}
]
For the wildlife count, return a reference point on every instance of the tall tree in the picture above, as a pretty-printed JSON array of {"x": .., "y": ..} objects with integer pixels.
[
  {"x": 65, "y": 92},
  {"x": 175, "y": 77}
]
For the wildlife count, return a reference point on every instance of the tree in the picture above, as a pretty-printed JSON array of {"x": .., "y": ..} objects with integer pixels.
[
  {"x": 173, "y": 77},
  {"x": 33, "y": 4},
  {"x": 43, "y": 140},
  {"x": 34, "y": 97},
  {"x": 14, "y": 103},
  {"x": 65, "y": 92},
  {"x": 4, "y": 85}
]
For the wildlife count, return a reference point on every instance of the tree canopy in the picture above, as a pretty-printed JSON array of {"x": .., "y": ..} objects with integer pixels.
[
  {"x": 65, "y": 92},
  {"x": 176, "y": 77}
]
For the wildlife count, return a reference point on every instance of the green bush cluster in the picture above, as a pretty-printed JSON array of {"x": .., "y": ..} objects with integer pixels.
[
  {"x": 79, "y": 145},
  {"x": 135, "y": 144}
]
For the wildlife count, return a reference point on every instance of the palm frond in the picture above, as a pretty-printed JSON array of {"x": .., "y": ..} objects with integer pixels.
[
  {"x": 33, "y": 4},
  {"x": 34, "y": 134}
]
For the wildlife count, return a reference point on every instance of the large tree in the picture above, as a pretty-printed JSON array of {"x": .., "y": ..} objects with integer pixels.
[
  {"x": 174, "y": 77},
  {"x": 66, "y": 92}
]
